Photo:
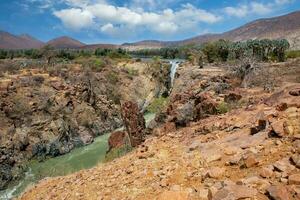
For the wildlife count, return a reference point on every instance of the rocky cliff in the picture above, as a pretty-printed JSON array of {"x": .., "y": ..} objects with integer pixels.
[{"x": 215, "y": 140}]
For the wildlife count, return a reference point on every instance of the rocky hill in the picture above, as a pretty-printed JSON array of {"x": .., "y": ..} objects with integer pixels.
[
  {"x": 10, "y": 41},
  {"x": 65, "y": 42},
  {"x": 286, "y": 26}
]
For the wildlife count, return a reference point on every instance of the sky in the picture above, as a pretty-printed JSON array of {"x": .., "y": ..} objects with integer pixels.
[{"x": 117, "y": 21}]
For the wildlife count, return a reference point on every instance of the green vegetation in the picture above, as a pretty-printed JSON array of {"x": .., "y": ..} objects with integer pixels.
[
  {"x": 158, "y": 104},
  {"x": 293, "y": 54},
  {"x": 223, "y": 108}
]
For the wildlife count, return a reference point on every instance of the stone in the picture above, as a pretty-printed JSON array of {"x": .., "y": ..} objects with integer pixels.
[
  {"x": 168, "y": 195},
  {"x": 294, "y": 179},
  {"x": 251, "y": 161},
  {"x": 278, "y": 128},
  {"x": 213, "y": 157},
  {"x": 266, "y": 172},
  {"x": 203, "y": 194},
  {"x": 279, "y": 192},
  {"x": 229, "y": 151},
  {"x": 134, "y": 122},
  {"x": 283, "y": 165},
  {"x": 235, "y": 192},
  {"x": 116, "y": 140},
  {"x": 216, "y": 172},
  {"x": 296, "y": 160}
]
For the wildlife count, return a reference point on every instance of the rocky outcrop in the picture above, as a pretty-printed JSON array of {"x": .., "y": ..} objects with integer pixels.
[
  {"x": 43, "y": 116},
  {"x": 134, "y": 122}
]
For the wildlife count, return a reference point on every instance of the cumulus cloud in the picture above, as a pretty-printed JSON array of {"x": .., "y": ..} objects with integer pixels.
[
  {"x": 254, "y": 7},
  {"x": 75, "y": 18},
  {"x": 109, "y": 18}
]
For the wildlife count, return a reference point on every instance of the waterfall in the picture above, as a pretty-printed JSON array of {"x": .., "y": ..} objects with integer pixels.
[{"x": 174, "y": 66}]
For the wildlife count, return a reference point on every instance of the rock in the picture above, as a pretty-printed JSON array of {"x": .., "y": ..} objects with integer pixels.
[
  {"x": 203, "y": 194},
  {"x": 296, "y": 160},
  {"x": 212, "y": 157},
  {"x": 134, "y": 122},
  {"x": 295, "y": 92},
  {"x": 251, "y": 161},
  {"x": 168, "y": 127},
  {"x": 283, "y": 166},
  {"x": 260, "y": 127},
  {"x": 278, "y": 128},
  {"x": 216, "y": 172},
  {"x": 85, "y": 136},
  {"x": 168, "y": 195},
  {"x": 232, "y": 97},
  {"x": 116, "y": 140},
  {"x": 282, "y": 107},
  {"x": 279, "y": 192},
  {"x": 294, "y": 179},
  {"x": 229, "y": 151},
  {"x": 266, "y": 172},
  {"x": 235, "y": 192},
  {"x": 195, "y": 145},
  {"x": 205, "y": 105}
]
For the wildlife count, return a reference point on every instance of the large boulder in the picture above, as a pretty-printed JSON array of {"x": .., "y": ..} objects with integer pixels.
[
  {"x": 134, "y": 122},
  {"x": 116, "y": 140}
]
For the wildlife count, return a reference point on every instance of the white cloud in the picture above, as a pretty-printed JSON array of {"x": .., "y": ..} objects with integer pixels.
[
  {"x": 255, "y": 8},
  {"x": 112, "y": 18},
  {"x": 75, "y": 18}
]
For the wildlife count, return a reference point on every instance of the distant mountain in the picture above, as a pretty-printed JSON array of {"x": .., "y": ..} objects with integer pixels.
[
  {"x": 101, "y": 46},
  {"x": 10, "y": 41},
  {"x": 286, "y": 26},
  {"x": 65, "y": 43}
]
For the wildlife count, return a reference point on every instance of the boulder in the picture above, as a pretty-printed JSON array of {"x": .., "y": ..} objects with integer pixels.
[
  {"x": 294, "y": 179},
  {"x": 116, "y": 139},
  {"x": 134, "y": 122},
  {"x": 279, "y": 192},
  {"x": 235, "y": 192},
  {"x": 278, "y": 128},
  {"x": 205, "y": 105}
]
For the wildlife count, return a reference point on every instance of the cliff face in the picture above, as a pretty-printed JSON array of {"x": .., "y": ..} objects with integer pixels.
[{"x": 46, "y": 112}]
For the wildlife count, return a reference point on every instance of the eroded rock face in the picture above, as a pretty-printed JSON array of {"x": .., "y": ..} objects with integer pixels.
[
  {"x": 116, "y": 140},
  {"x": 134, "y": 122},
  {"x": 43, "y": 116}
]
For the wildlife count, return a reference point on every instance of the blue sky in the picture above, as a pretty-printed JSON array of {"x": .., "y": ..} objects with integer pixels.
[{"x": 116, "y": 21}]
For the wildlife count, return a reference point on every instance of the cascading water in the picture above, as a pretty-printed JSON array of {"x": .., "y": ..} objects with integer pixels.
[{"x": 174, "y": 66}]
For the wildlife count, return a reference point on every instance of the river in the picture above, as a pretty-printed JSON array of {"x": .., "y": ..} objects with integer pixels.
[{"x": 80, "y": 158}]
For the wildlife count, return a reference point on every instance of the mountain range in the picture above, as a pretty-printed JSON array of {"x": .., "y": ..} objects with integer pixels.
[{"x": 286, "y": 26}]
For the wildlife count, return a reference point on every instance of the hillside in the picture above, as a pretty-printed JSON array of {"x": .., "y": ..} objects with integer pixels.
[
  {"x": 10, "y": 41},
  {"x": 286, "y": 26},
  {"x": 65, "y": 42}
]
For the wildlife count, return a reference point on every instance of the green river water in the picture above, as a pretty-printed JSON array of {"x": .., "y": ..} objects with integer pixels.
[{"x": 80, "y": 158}]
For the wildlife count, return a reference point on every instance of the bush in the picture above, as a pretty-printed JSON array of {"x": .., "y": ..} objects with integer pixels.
[
  {"x": 98, "y": 65},
  {"x": 112, "y": 77},
  {"x": 157, "y": 105},
  {"x": 223, "y": 108},
  {"x": 293, "y": 54}
]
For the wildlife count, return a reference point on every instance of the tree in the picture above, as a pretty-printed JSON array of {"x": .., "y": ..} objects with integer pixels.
[{"x": 280, "y": 47}]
